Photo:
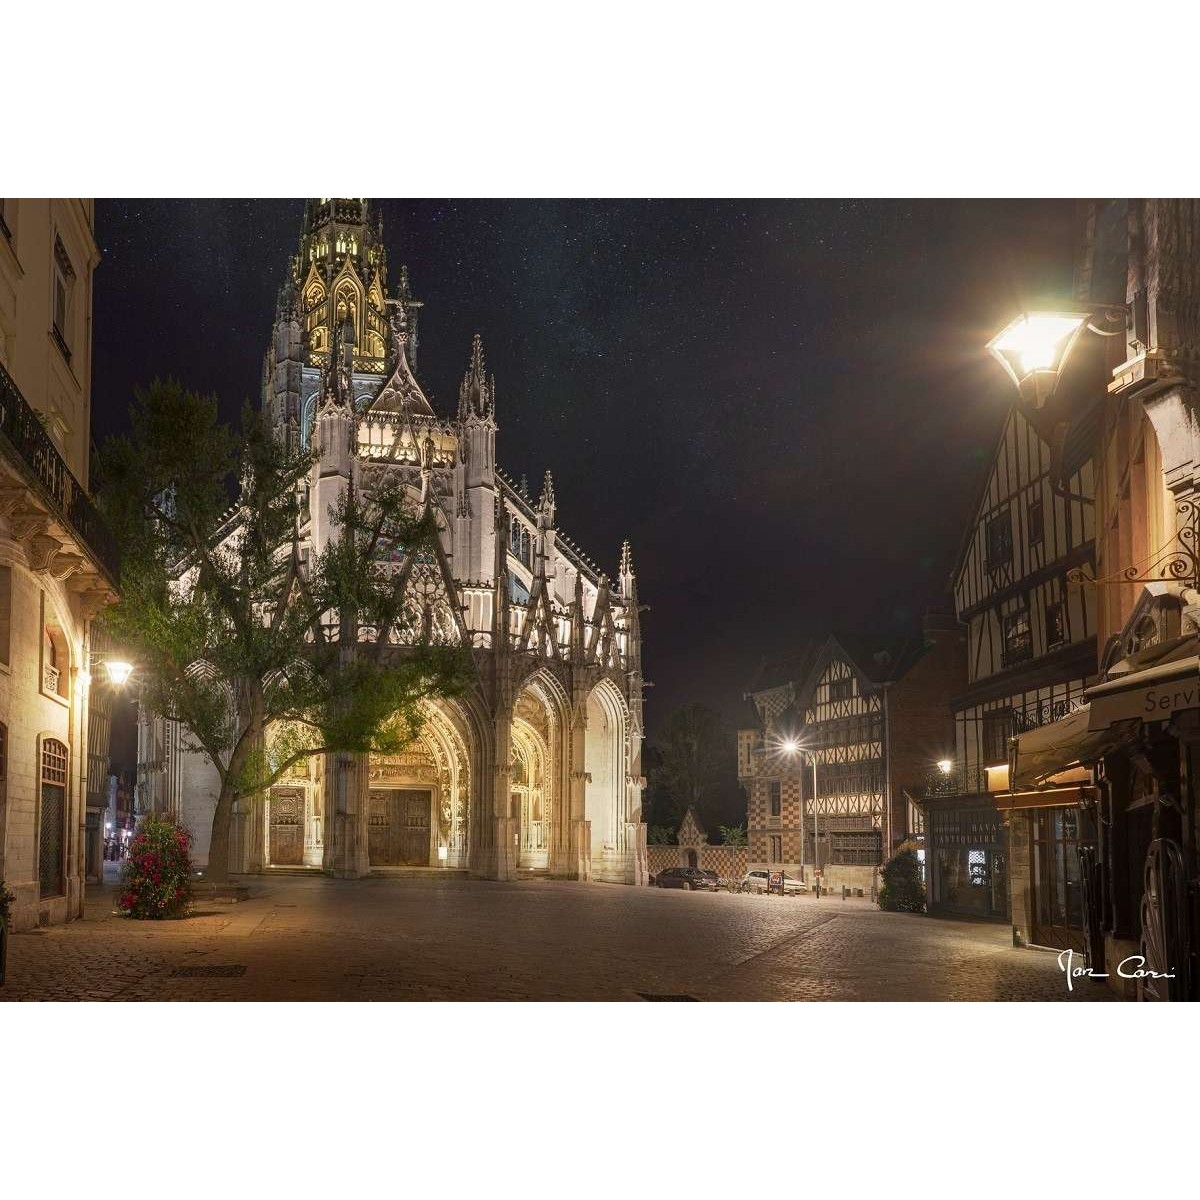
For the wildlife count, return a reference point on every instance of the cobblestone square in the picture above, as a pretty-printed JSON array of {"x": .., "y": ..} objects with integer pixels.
[{"x": 441, "y": 938}]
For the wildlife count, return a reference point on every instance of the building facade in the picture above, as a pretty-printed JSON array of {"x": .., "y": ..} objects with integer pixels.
[
  {"x": 1031, "y": 654},
  {"x": 869, "y": 715},
  {"x": 538, "y": 768},
  {"x": 1138, "y": 732},
  {"x": 58, "y": 565}
]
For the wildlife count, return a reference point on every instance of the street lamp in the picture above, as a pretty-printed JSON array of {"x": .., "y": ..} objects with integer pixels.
[
  {"x": 118, "y": 671},
  {"x": 1034, "y": 347},
  {"x": 945, "y": 766}
]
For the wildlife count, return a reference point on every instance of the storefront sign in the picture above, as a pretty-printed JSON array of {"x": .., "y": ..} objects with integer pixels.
[{"x": 1155, "y": 703}]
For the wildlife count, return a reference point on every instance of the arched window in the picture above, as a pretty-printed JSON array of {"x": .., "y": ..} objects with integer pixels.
[{"x": 52, "y": 822}]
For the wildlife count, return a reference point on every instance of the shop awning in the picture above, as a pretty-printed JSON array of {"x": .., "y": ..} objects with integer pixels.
[
  {"x": 1040, "y": 754},
  {"x": 1155, "y": 694},
  {"x": 1045, "y": 797}
]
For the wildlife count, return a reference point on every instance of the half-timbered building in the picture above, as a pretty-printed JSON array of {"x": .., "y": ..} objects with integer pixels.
[
  {"x": 1127, "y": 824},
  {"x": 835, "y": 766},
  {"x": 1031, "y": 652},
  {"x": 538, "y": 767}
]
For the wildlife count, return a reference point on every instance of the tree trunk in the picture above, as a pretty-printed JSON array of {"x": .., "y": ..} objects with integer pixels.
[{"x": 218, "y": 846}]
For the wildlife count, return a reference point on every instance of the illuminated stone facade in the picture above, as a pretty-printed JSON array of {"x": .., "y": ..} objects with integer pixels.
[
  {"x": 57, "y": 564},
  {"x": 538, "y": 768}
]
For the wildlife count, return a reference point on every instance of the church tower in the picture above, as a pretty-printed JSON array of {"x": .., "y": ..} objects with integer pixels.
[{"x": 336, "y": 289}]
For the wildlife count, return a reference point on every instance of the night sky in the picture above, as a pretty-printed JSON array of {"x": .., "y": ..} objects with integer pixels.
[{"x": 785, "y": 406}]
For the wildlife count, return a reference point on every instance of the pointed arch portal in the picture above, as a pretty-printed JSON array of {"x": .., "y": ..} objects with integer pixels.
[{"x": 604, "y": 786}]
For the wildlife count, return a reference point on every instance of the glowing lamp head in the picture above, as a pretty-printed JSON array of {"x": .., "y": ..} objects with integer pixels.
[
  {"x": 945, "y": 766},
  {"x": 118, "y": 672},
  {"x": 1033, "y": 349},
  {"x": 790, "y": 746}
]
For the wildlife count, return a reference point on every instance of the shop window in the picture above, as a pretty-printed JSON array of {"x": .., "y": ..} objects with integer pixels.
[
  {"x": 1058, "y": 916},
  {"x": 52, "y": 820},
  {"x": 775, "y": 796},
  {"x": 999, "y": 541},
  {"x": 1018, "y": 637}
]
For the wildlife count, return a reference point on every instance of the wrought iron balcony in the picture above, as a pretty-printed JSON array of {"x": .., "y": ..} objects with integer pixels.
[
  {"x": 1034, "y": 716},
  {"x": 24, "y": 437},
  {"x": 939, "y": 785}
]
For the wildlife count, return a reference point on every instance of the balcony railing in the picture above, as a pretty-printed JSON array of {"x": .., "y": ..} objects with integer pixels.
[
  {"x": 1034, "y": 716},
  {"x": 25, "y": 435}
]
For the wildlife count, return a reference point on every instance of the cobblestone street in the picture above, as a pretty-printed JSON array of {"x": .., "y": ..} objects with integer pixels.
[{"x": 458, "y": 939}]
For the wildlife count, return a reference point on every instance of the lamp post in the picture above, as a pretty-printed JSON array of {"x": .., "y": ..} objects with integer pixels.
[{"x": 792, "y": 747}]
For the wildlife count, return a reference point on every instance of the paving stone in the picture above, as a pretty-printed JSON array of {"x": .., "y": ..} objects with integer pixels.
[{"x": 458, "y": 939}]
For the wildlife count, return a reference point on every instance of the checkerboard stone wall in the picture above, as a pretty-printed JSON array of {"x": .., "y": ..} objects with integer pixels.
[{"x": 729, "y": 862}]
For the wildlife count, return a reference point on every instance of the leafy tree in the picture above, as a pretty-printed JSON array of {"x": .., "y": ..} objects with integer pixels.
[
  {"x": 259, "y": 657},
  {"x": 660, "y": 835},
  {"x": 734, "y": 835},
  {"x": 902, "y": 889},
  {"x": 697, "y": 763}
]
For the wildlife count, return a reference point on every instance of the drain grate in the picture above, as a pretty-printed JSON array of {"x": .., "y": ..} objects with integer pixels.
[
  {"x": 211, "y": 971},
  {"x": 666, "y": 996}
]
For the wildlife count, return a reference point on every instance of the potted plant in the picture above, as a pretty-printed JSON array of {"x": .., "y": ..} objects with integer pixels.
[{"x": 6, "y": 899}]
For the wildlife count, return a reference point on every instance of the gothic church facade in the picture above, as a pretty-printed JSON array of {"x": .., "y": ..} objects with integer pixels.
[{"x": 537, "y": 769}]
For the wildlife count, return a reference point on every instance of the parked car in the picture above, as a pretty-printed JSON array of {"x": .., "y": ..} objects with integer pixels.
[
  {"x": 691, "y": 879},
  {"x": 758, "y": 881}
]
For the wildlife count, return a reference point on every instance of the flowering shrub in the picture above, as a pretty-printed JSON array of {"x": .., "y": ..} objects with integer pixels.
[
  {"x": 902, "y": 889},
  {"x": 156, "y": 878}
]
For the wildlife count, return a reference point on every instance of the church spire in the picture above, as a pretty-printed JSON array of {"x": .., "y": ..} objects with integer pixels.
[
  {"x": 477, "y": 395},
  {"x": 546, "y": 501}
]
